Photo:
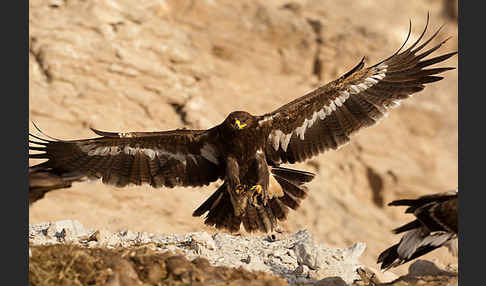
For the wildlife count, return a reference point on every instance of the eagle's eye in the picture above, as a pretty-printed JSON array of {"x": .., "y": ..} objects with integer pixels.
[{"x": 239, "y": 125}]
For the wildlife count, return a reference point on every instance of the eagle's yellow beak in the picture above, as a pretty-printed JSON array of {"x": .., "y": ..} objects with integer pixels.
[{"x": 239, "y": 125}]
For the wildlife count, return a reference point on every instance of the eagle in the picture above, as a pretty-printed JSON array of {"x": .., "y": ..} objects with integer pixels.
[
  {"x": 246, "y": 151},
  {"x": 436, "y": 225}
]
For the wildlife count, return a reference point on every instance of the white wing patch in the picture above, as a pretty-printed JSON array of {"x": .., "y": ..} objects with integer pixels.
[
  {"x": 274, "y": 138},
  {"x": 354, "y": 89},
  {"x": 265, "y": 119},
  {"x": 210, "y": 154},
  {"x": 92, "y": 150},
  {"x": 277, "y": 138},
  {"x": 300, "y": 131},
  {"x": 369, "y": 81}
]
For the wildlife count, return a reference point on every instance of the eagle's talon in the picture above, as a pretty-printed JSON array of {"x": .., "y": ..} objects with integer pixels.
[
  {"x": 257, "y": 193},
  {"x": 257, "y": 188}
]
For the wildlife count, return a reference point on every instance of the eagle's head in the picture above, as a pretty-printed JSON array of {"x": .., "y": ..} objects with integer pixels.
[{"x": 240, "y": 120}]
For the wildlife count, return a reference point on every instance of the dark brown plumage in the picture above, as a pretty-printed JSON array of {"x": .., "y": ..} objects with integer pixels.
[
  {"x": 245, "y": 151},
  {"x": 436, "y": 225},
  {"x": 43, "y": 181}
]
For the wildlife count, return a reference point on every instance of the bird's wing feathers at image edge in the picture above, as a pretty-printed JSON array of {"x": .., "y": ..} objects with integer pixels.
[
  {"x": 436, "y": 225},
  {"x": 325, "y": 118}
]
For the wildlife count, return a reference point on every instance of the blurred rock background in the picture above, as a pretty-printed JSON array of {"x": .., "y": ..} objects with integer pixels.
[{"x": 153, "y": 65}]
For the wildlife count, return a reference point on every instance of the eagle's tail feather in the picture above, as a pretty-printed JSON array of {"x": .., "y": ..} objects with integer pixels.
[
  {"x": 297, "y": 177},
  {"x": 221, "y": 214},
  {"x": 278, "y": 208},
  {"x": 208, "y": 204},
  {"x": 289, "y": 188},
  {"x": 220, "y": 211},
  {"x": 292, "y": 184},
  {"x": 262, "y": 218},
  {"x": 257, "y": 217}
]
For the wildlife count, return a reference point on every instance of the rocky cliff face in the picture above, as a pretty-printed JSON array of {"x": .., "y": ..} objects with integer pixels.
[{"x": 155, "y": 65}]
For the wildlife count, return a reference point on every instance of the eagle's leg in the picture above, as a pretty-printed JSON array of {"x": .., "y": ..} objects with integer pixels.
[
  {"x": 260, "y": 189},
  {"x": 235, "y": 189}
]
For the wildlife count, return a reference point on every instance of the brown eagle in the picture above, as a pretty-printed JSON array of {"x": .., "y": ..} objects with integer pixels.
[
  {"x": 245, "y": 151},
  {"x": 436, "y": 225}
]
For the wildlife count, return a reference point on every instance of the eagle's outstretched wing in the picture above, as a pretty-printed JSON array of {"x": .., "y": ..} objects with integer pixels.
[
  {"x": 436, "y": 225},
  {"x": 169, "y": 158},
  {"x": 325, "y": 118}
]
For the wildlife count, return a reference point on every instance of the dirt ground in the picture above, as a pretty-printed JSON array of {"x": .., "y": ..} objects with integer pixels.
[
  {"x": 71, "y": 265},
  {"x": 76, "y": 265},
  {"x": 154, "y": 65}
]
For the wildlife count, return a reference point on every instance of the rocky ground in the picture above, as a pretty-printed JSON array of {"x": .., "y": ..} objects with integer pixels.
[
  {"x": 67, "y": 252},
  {"x": 155, "y": 65}
]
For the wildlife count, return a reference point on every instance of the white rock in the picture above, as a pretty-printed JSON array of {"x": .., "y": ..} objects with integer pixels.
[
  {"x": 204, "y": 239},
  {"x": 307, "y": 253}
]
